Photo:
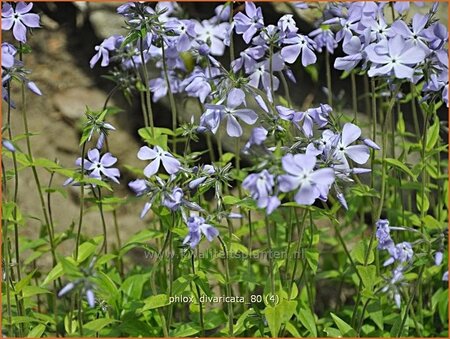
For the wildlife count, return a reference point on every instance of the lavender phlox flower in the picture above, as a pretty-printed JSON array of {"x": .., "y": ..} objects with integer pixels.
[
  {"x": 401, "y": 252},
  {"x": 261, "y": 75},
  {"x": 261, "y": 103},
  {"x": 358, "y": 153},
  {"x": 414, "y": 35},
  {"x": 445, "y": 276},
  {"x": 341, "y": 198},
  {"x": 436, "y": 36},
  {"x": 257, "y": 137},
  {"x": 403, "y": 6},
  {"x": 100, "y": 166},
  {"x": 230, "y": 112},
  {"x": 249, "y": 23},
  {"x": 355, "y": 53},
  {"x": 371, "y": 144},
  {"x": 376, "y": 29},
  {"x": 261, "y": 188},
  {"x": 311, "y": 184},
  {"x": 158, "y": 156},
  {"x": 104, "y": 49},
  {"x": 205, "y": 171},
  {"x": 222, "y": 12},
  {"x": 394, "y": 57},
  {"x": 8, "y": 53},
  {"x": 197, "y": 226},
  {"x": 197, "y": 83},
  {"x": 383, "y": 235},
  {"x": 324, "y": 145},
  {"x": 287, "y": 24},
  {"x": 139, "y": 186},
  {"x": 248, "y": 58},
  {"x": 299, "y": 44},
  {"x": 185, "y": 29},
  {"x": 8, "y": 145},
  {"x": 301, "y": 5},
  {"x": 318, "y": 115},
  {"x": 158, "y": 86},
  {"x": 324, "y": 38},
  {"x": 210, "y": 119},
  {"x": 290, "y": 114},
  {"x": 392, "y": 285},
  {"x": 19, "y": 19},
  {"x": 169, "y": 8},
  {"x": 438, "y": 257},
  {"x": 174, "y": 199},
  {"x": 212, "y": 34}
]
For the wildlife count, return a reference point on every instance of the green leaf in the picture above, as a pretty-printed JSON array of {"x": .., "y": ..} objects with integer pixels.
[
  {"x": 54, "y": 274},
  {"x": 98, "y": 324},
  {"x": 279, "y": 314},
  {"x": 24, "y": 282},
  {"x": 432, "y": 135},
  {"x": 313, "y": 72},
  {"x": 133, "y": 285},
  {"x": 422, "y": 204},
  {"x": 36, "y": 332},
  {"x": 85, "y": 250},
  {"x": 185, "y": 330},
  {"x": 358, "y": 253},
  {"x": 368, "y": 275},
  {"x": 400, "y": 166},
  {"x": 29, "y": 291},
  {"x": 155, "y": 301},
  {"x": 345, "y": 329},
  {"x": 312, "y": 257},
  {"x": 307, "y": 319},
  {"x": 375, "y": 312}
]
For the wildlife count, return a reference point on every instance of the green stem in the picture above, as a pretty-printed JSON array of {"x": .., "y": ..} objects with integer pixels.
[
  {"x": 269, "y": 247},
  {"x": 102, "y": 216},
  {"x": 80, "y": 216},
  {"x": 354, "y": 97},
  {"x": 145, "y": 80},
  {"x": 173, "y": 106},
  {"x": 301, "y": 231},
  {"x": 228, "y": 288},
  {"x": 411, "y": 298},
  {"x": 328, "y": 76},
  {"x": 200, "y": 304},
  {"x": 383, "y": 154}
]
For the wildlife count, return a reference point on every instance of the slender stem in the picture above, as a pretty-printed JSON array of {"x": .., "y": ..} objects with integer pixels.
[
  {"x": 354, "y": 97},
  {"x": 286, "y": 88},
  {"x": 173, "y": 105},
  {"x": 145, "y": 80},
  {"x": 80, "y": 216},
  {"x": 414, "y": 110},
  {"x": 272, "y": 90},
  {"x": 228, "y": 288},
  {"x": 269, "y": 246},
  {"x": 16, "y": 184},
  {"x": 230, "y": 21},
  {"x": 200, "y": 304},
  {"x": 384, "y": 153},
  {"x": 328, "y": 76},
  {"x": 411, "y": 298},
  {"x": 102, "y": 216},
  {"x": 301, "y": 231}
]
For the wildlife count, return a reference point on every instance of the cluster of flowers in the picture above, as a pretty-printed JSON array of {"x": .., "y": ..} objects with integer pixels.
[
  {"x": 16, "y": 17},
  {"x": 415, "y": 51},
  {"x": 401, "y": 254}
]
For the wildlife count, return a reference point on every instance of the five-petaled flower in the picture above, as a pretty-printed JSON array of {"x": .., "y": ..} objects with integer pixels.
[
  {"x": 19, "y": 19},
  {"x": 158, "y": 155}
]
